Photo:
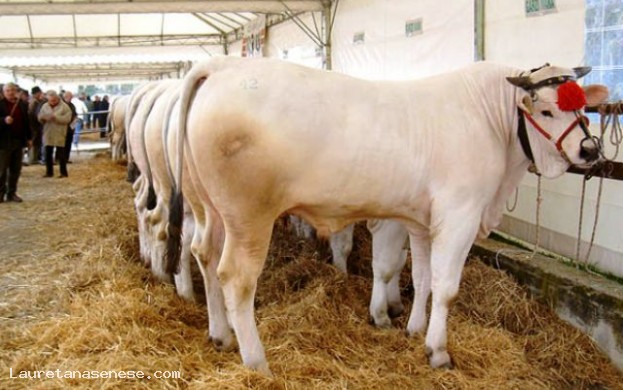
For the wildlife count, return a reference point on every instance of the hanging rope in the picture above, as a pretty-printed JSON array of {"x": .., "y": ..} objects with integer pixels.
[
  {"x": 512, "y": 208},
  {"x": 539, "y": 200},
  {"x": 608, "y": 120},
  {"x": 611, "y": 120}
]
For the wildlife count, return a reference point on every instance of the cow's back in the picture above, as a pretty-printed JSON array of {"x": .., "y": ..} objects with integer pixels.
[{"x": 325, "y": 144}]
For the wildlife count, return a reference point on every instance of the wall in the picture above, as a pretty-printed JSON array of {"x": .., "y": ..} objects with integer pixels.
[
  {"x": 511, "y": 38},
  {"x": 288, "y": 42},
  {"x": 445, "y": 44}
]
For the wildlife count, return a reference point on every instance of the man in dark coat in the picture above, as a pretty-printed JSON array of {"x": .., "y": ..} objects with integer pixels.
[
  {"x": 103, "y": 117},
  {"x": 14, "y": 137},
  {"x": 67, "y": 96},
  {"x": 38, "y": 99}
]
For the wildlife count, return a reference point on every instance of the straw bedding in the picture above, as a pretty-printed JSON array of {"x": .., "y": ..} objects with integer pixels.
[{"x": 75, "y": 297}]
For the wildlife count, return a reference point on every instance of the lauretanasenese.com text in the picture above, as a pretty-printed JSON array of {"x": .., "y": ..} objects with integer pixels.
[{"x": 93, "y": 374}]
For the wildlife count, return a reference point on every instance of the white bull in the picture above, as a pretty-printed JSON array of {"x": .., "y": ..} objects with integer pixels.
[
  {"x": 156, "y": 126},
  {"x": 116, "y": 126},
  {"x": 139, "y": 108},
  {"x": 441, "y": 155}
]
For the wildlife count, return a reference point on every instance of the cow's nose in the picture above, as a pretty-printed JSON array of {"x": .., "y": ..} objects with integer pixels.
[{"x": 589, "y": 150}]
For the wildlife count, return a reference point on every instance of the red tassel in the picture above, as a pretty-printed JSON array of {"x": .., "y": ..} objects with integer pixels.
[{"x": 571, "y": 96}]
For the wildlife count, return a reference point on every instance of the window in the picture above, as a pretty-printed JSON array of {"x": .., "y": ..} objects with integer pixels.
[
  {"x": 604, "y": 45},
  {"x": 539, "y": 7}
]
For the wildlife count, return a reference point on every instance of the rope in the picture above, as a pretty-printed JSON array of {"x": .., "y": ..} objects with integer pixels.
[
  {"x": 514, "y": 206},
  {"x": 539, "y": 200},
  {"x": 581, "y": 219},
  {"x": 590, "y": 246},
  {"x": 612, "y": 120}
]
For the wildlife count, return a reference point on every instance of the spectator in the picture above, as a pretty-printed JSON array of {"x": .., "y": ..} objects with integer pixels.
[
  {"x": 104, "y": 106},
  {"x": 67, "y": 97},
  {"x": 14, "y": 136},
  {"x": 81, "y": 111},
  {"x": 55, "y": 115},
  {"x": 23, "y": 94},
  {"x": 96, "y": 107},
  {"x": 89, "y": 117},
  {"x": 34, "y": 152}
]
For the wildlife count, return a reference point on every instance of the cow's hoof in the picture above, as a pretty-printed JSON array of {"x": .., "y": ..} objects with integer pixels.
[
  {"x": 221, "y": 345},
  {"x": 394, "y": 310},
  {"x": 439, "y": 359},
  {"x": 381, "y": 321},
  {"x": 262, "y": 368}
]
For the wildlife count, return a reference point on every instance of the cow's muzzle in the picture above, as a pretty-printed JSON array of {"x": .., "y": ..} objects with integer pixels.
[{"x": 591, "y": 149}]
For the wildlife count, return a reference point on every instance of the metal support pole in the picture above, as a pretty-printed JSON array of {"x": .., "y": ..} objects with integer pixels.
[
  {"x": 479, "y": 30},
  {"x": 327, "y": 27}
]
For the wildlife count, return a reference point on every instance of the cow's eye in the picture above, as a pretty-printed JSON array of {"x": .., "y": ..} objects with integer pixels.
[{"x": 547, "y": 113}]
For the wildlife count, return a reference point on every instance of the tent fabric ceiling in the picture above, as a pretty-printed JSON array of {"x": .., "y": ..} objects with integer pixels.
[{"x": 32, "y": 28}]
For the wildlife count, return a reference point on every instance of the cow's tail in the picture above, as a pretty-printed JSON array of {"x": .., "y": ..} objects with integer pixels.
[{"x": 190, "y": 84}]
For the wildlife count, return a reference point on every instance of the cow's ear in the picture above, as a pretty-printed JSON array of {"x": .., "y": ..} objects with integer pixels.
[
  {"x": 596, "y": 94},
  {"x": 520, "y": 81},
  {"x": 581, "y": 71},
  {"x": 526, "y": 104}
]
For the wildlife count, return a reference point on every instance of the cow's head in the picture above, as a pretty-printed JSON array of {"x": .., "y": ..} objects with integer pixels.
[{"x": 553, "y": 105}]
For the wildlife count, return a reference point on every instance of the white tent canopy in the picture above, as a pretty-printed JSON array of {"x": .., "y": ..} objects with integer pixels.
[{"x": 158, "y": 37}]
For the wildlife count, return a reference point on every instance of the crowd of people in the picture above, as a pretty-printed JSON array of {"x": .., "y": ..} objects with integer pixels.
[{"x": 47, "y": 124}]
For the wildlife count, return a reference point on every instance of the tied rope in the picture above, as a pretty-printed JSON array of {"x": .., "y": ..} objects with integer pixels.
[
  {"x": 539, "y": 200},
  {"x": 607, "y": 120}
]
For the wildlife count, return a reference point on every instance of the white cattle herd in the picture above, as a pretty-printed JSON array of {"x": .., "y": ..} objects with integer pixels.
[{"x": 217, "y": 157}]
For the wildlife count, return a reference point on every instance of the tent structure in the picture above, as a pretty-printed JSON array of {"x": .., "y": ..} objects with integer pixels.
[{"x": 150, "y": 38}]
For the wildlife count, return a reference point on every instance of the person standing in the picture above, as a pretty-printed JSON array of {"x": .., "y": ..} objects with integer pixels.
[
  {"x": 89, "y": 116},
  {"x": 81, "y": 110},
  {"x": 14, "y": 136},
  {"x": 55, "y": 115},
  {"x": 67, "y": 96},
  {"x": 96, "y": 107},
  {"x": 104, "y": 106},
  {"x": 34, "y": 152}
]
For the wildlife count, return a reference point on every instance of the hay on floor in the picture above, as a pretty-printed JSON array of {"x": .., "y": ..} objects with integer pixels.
[{"x": 75, "y": 297}]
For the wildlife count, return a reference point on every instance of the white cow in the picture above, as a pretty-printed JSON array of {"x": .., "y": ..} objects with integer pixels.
[
  {"x": 116, "y": 126},
  {"x": 141, "y": 103},
  {"x": 264, "y": 137},
  {"x": 156, "y": 219},
  {"x": 202, "y": 233}
]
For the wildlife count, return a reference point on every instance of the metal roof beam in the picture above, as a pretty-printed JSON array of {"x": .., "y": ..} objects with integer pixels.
[
  {"x": 111, "y": 41},
  {"x": 219, "y": 21},
  {"x": 206, "y": 21},
  {"x": 155, "y": 6}
]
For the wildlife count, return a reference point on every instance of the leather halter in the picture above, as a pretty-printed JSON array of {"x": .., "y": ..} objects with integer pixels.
[{"x": 522, "y": 133}]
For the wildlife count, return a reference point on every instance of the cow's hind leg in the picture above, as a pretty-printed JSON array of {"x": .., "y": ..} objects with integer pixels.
[
  {"x": 244, "y": 254},
  {"x": 421, "y": 275},
  {"x": 449, "y": 249},
  {"x": 184, "y": 279},
  {"x": 388, "y": 259},
  {"x": 341, "y": 246},
  {"x": 207, "y": 247}
]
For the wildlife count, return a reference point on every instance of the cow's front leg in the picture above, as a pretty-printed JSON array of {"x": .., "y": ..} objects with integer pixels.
[
  {"x": 388, "y": 259},
  {"x": 449, "y": 249}
]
